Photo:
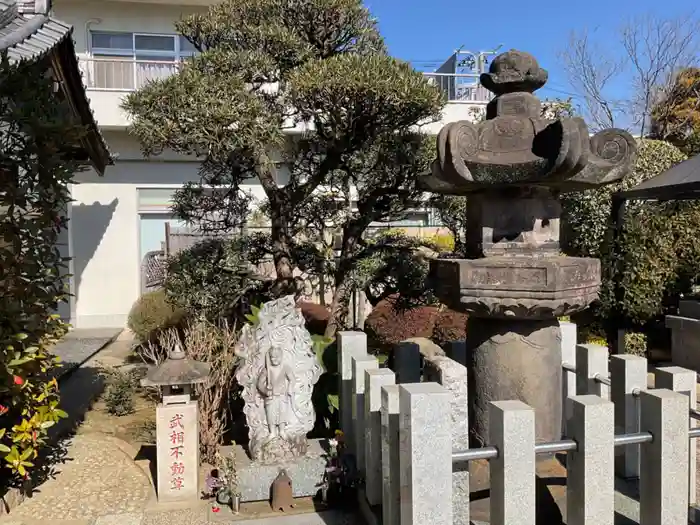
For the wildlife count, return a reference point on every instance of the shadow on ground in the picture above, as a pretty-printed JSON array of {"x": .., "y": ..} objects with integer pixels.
[{"x": 78, "y": 391}]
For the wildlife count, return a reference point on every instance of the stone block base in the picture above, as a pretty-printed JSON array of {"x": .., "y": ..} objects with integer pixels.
[{"x": 256, "y": 479}]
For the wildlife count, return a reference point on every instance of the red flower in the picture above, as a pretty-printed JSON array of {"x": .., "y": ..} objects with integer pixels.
[
  {"x": 3, "y": 410},
  {"x": 18, "y": 380},
  {"x": 215, "y": 509}
]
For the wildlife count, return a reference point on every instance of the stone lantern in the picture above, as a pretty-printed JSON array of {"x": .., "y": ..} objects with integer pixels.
[
  {"x": 177, "y": 425},
  {"x": 514, "y": 281}
]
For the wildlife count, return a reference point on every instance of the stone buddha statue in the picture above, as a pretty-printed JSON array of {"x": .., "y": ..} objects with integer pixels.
[{"x": 276, "y": 385}]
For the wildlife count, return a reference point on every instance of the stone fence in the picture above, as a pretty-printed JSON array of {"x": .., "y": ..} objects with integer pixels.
[{"x": 408, "y": 428}]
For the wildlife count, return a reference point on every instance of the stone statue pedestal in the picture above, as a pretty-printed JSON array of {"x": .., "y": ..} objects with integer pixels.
[
  {"x": 513, "y": 338},
  {"x": 255, "y": 479}
]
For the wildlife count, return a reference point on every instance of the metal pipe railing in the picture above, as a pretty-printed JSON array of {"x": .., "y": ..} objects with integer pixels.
[
  {"x": 564, "y": 445},
  {"x": 603, "y": 380}
]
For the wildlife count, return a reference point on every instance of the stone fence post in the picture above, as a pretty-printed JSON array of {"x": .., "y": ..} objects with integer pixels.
[
  {"x": 683, "y": 381},
  {"x": 591, "y": 367},
  {"x": 375, "y": 379},
  {"x": 568, "y": 361},
  {"x": 512, "y": 432},
  {"x": 628, "y": 375},
  {"x": 425, "y": 436},
  {"x": 663, "y": 479},
  {"x": 349, "y": 344},
  {"x": 391, "y": 508},
  {"x": 360, "y": 364},
  {"x": 453, "y": 376},
  {"x": 590, "y": 490}
]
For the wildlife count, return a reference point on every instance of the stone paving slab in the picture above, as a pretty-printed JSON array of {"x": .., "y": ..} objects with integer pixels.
[{"x": 80, "y": 345}]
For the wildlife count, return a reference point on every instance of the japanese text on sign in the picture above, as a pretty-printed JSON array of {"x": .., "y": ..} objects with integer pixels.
[{"x": 177, "y": 448}]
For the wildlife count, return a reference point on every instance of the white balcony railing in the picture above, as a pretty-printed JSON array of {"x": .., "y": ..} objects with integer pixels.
[{"x": 118, "y": 74}]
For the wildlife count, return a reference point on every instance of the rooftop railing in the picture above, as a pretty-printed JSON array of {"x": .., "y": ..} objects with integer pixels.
[
  {"x": 124, "y": 74},
  {"x": 460, "y": 87}
]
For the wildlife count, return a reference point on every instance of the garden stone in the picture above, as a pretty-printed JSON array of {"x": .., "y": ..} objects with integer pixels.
[{"x": 426, "y": 347}]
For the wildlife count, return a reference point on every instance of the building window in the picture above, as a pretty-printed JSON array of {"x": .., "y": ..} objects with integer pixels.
[{"x": 127, "y": 61}]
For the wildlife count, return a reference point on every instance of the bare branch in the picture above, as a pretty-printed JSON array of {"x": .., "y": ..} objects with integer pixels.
[
  {"x": 590, "y": 71},
  {"x": 656, "y": 50}
]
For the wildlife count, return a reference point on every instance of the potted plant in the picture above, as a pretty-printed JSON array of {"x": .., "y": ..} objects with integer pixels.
[{"x": 229, "y": 492}]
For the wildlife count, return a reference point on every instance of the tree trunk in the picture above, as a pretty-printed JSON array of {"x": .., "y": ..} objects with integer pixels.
[
  {"x": 339, "y": 310},
  {"x": 341, "y": 295},
  {"x": 281, "y": 249}
]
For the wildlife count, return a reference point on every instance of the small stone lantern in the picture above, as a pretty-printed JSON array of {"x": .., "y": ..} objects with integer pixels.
[{"x": 177, "y": 425}]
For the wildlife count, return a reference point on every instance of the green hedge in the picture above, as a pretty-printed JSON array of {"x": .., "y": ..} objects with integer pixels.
[{"x": 656, "y": 256}]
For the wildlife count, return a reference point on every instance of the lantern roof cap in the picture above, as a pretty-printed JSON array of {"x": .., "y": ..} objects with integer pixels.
[{"x": 177, "y": 369}]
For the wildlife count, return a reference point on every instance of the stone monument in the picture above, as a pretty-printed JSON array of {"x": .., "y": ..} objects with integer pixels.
[
  {"x": 278, "y": 372},
  {"x": 514, "y": 281}
]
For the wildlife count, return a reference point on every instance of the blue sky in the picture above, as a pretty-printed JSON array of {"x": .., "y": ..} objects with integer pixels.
[{"x": 433, "y": 29}]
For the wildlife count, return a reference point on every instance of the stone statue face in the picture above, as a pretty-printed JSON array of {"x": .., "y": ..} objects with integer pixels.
[{"x": 276, "y": 356}]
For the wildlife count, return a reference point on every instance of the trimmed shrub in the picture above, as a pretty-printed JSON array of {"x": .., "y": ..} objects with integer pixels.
[
  {"x": 151, "y": 314},
  {"x": 213, "y": 279},
  {"x": 654, "y": 262},
  {"x": 315, "y": 315},
  {"x": 450, "y": 325},
  {"x": 390, "y": 323},
  {"x": 120, "y": 391},
  {"x": 586, "y": 215},
  {"x": 655, "y": 257}
]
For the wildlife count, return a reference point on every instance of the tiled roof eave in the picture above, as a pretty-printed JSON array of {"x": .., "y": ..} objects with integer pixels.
[
  {"x": 33, "y": 38},
  {"x": 74, "y": 88}
]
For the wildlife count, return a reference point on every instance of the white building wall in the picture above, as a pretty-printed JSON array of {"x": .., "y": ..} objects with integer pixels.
[
  {"x": 106, "y": 15},
  {"x": 104, "y": 230}
]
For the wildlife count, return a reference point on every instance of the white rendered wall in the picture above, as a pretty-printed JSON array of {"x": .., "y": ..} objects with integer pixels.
[
  {"x": 106, "y": 15},
  {"x": 104, "y": 230}
]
